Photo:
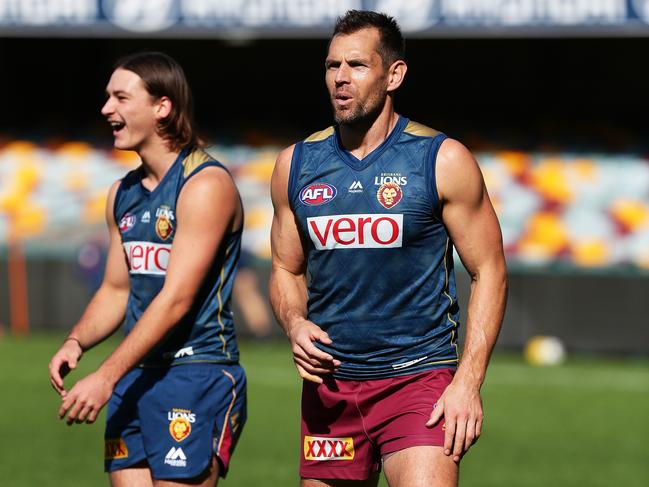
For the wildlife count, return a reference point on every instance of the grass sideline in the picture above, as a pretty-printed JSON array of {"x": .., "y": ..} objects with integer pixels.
[{"x": 585, "y": 423}]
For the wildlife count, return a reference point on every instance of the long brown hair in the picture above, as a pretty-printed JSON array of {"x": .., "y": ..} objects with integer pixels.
[{"x": 163, "y": 76}]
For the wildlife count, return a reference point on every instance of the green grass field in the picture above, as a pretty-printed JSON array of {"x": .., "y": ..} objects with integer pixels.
[{"x": 585, "y": 423}]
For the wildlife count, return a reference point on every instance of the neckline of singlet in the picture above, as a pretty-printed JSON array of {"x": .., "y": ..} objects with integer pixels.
[
  {"x": 360, "y": 164},
  {"x": 147, "y": 192}
]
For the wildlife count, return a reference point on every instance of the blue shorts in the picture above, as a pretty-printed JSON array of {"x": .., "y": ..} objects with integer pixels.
[{"x": 175, "y": 419}]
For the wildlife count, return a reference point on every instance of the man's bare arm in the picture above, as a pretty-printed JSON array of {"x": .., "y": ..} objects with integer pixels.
[
  {"x": 473, "y": 227},
  {"x": 288, "y": 290},
  {"x": 201, "y": 228},
  {"x": 105, "y": 312}
]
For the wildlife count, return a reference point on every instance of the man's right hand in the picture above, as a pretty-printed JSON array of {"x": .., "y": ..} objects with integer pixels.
[
  {"x": 311, "y": 362},
  {"x": 63, "y": 362}
]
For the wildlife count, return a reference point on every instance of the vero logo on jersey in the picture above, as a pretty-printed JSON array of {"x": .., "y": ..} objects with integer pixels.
[
  {"x": 147, "y": 257},
  {"x": 318, "y": 448},
  {"x": 317, "y": 194},
  {"x": 364, "y": 231}
]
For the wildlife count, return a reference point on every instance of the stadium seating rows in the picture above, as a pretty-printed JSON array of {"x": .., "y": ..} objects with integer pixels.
[{"x": 555, "y": 209}]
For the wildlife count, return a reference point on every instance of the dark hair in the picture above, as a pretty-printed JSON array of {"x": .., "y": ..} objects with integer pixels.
[
  {"x": 163, "y": 76},
  {"x": 392, "y": 46}
]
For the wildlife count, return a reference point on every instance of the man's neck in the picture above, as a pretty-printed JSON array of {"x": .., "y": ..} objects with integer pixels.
[
  {"x": 156, "y": 158},
  {"x": 361, "y": 139}
]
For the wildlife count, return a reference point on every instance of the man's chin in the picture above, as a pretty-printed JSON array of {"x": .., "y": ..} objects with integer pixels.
[
  {"x": 120, "y": 145},
  {"x": 347, "y": 118},
  {"x": 356, "y": 118}
]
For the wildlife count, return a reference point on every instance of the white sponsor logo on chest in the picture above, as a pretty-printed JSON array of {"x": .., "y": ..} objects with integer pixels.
[
  {"x": 362, "y": 231},
  {"x": 147, "y": 257}
]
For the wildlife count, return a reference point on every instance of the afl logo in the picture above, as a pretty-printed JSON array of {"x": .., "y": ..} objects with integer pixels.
[
  {"x": 389, "y": 194},
  {"x": 127, "y": 222},
  {"x": 318, "y": 194}
]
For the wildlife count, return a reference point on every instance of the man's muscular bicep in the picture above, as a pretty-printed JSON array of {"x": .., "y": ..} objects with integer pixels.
[
  {"x": 201, "y": 228},
  {"x": 467, "y": 211},
  {"x": 286, "y": 245}
]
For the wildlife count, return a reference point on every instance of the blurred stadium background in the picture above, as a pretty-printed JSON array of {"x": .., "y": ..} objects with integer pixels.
[{"x": 551, "y": 96}]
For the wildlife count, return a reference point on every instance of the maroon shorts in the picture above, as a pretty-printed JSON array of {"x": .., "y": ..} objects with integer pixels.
[{"x": 348, "y": 426}]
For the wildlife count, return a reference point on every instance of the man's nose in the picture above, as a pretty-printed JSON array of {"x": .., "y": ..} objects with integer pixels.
[
  {"x": 107, "y": 109},
  {"x": 343, "y": 74}
]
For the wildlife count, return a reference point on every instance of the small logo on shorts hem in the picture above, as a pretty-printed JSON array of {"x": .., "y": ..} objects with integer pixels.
[
  {"x": 176, "y": 457},
  {"x": 403, "y": 365},
  {"x": 115, "y": 448},
  {"x": 319, "y": 448}
]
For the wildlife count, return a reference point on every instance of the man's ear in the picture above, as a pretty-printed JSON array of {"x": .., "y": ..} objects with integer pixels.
[
  {"x": 163, "y": 107},
  {"x": 396, "y": 74}
]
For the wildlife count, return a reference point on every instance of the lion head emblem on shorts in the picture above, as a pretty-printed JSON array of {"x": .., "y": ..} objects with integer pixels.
[
  {"x": 179, "y": 428},
  {"x": 389, "y": 194}
]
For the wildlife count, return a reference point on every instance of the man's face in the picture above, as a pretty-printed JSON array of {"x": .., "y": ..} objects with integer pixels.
[
  {"x": 130, "y": 109},
  {"x": 355, "y": 76}
]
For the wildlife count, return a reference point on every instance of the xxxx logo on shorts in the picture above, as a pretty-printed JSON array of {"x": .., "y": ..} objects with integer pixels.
[
  {"x": 115, "y": 448},
  {"x": 319, "y": 448}
]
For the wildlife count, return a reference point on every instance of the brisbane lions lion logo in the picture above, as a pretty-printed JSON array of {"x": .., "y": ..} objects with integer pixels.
[
  {"x": 163, "y": 227},
  {"x": 180, "y": 428},
  {"x": 389, "y": 194}
]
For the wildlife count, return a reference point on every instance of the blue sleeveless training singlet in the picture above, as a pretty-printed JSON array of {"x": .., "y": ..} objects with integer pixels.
[
  {"x": 147, "y": 224},
  {"x": 379, "y": 259}
]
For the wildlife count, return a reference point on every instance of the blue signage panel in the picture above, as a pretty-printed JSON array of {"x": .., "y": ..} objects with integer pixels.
[{"x": 314, "y": 18}]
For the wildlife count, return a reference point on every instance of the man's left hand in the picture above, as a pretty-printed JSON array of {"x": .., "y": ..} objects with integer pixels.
[
  {"x": 84, "y": 401},
  {"x": 461, "y": 408}
]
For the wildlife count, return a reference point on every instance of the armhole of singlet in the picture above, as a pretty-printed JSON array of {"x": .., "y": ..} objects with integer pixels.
[
  {"x": 202, "y": 166},
  {"x": 118, "y": 193},
  {"x": 432, "y": 178},
  {"x": 294, "y": 171}
]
